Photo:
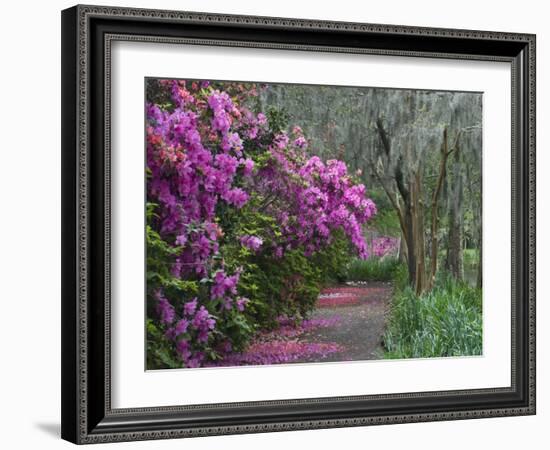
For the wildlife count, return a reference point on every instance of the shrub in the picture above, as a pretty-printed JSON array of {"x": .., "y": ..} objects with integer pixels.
[
  {"x": 373, "y": 269},
  {"x": 243, "y": 224},
  {"x": 286, "y": 286}
]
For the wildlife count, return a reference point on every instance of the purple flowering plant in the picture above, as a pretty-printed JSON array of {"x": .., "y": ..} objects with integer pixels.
[{"x": 241, "y": 217}]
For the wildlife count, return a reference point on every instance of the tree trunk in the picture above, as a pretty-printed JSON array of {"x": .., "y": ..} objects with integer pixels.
[
  {"x": 435, "y": 207},
  {"x": 410, "y": 211},
  {"x": 417, "y": 212},
  {"x": 480, "y": 265},
  {"x": 454, "y": 250},
  {"x": 402, "y": 256},
  {"x": 454, "y": 263}
]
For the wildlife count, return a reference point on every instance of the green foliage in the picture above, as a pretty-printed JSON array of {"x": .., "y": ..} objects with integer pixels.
[
  {"x": 160, "y": 254},
  {"x": 374, "y": 269},
  {"x": 156, "y": 94},
  {"x": 401, "y": 277},
  {"x": 470, "y": 256},
  {"x": 386, "y": 222},
  {"x": 380, "y": 199},
  {"x": 289, "y": 285},
  {"x": 160, "y": 354},
  {"x": 160, "y": 351},
  {"x": 332, "y": 261},
  {"x": 446, "y": 321},
  {"x": 278, "y": 119}
]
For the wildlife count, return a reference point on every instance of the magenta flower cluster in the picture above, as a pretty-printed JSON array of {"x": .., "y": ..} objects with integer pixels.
[
  {"x": 384, "y": 245},
  {"x": 194, "y": 163},
  {"x": 311, "y": 199},
  {"x": 194, "y": 323},
  {"x": 252, "y": 242}
]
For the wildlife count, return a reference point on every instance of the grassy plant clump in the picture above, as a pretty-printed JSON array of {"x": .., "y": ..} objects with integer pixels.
[
  {"x": 373, "y": 269},
  {"x": 446, "y": 321}
]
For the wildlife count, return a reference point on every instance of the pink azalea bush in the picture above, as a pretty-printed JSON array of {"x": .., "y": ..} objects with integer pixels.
[{"x": 228, "y": 197}]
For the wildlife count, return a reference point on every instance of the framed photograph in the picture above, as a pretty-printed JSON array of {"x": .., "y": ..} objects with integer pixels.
[{"x": 278, "y": 224}]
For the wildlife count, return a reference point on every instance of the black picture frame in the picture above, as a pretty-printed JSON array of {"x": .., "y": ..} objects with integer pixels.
[{"x": 87, "y": 33}]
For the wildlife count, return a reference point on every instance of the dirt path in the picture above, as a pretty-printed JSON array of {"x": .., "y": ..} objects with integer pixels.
[
  {"x": 347, "y": 325},
  {"x": 357, "y": 315}
]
